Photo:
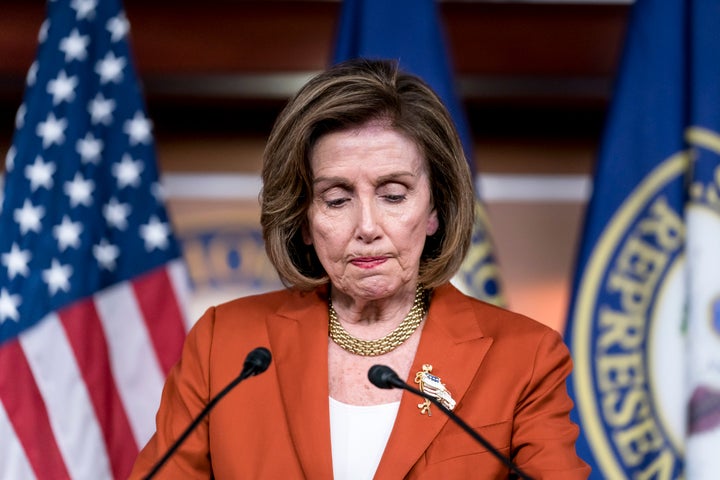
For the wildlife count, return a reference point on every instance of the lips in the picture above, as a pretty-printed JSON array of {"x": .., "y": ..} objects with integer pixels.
[{"x": 368, "y": 262}]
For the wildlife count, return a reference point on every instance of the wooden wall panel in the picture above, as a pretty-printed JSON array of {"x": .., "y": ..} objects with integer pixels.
[{"x": 274, "y": 36}]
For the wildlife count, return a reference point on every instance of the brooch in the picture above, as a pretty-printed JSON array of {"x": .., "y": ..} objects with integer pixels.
[{"x": 432, "y": 385}]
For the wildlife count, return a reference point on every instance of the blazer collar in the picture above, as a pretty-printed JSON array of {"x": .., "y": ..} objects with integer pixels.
[
  {"x": 299, "y": 341},
  {"x": 452, "y": 342}
]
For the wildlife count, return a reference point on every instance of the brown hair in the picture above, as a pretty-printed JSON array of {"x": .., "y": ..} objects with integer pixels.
[{"x": 349, "y": 95}]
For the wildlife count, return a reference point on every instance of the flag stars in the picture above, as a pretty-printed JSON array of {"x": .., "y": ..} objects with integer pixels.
[
  {"x": 40, "y": 174},
  {"x": 57, "y": 277},
  {"x": 116, "y": 214},
  {"x": 28, "y": 217},
  {"x": 138, "y": 129},
  {"x": 106, "y": 254},
  {"x": 10, "y": 159},
  {"x": 62, "y": 88},
  {"x": 31, "y": 77},
  {"x": 67, "y": 233},
  {"x": 155, "y": 233},
  {"x": 90, "y": 148},
  {"x": 84, "y": 9},
  {"x": 158, "y": 191},
  {"x": 74, "y": 46},
  {"x": 43, "y": 33},
  {"x": 127, "y": 171},
  {"x": 101, "y": 110},
  {"x": 51, "y": 206},
  {"x": 118, "y": 27},
  {"x": 9, "y": 306},
  {"x": 20, "y": 116},
  {"x": 16, "y": 261},
  {"x": 52, "y": 130},
  {"x": 110, "y": 68},
  {"x": 79, "y": 190}
]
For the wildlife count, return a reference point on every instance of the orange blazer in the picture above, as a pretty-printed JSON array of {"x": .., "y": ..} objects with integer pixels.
[{"x": 506, "y": 372}]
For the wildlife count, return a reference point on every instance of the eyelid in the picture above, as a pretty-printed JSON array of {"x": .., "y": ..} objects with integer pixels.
[
  {"x": 336, "y": 202},
  {"x": 395, "y": 198},
  {"x": 392, "y": 186}
]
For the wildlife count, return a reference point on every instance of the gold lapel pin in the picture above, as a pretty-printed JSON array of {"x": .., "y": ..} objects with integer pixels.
[{"x": 433, "y": 386}]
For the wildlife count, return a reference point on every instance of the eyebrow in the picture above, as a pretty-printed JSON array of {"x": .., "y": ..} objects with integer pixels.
[
  {"x": 383, "y": 179},
  {"x": 334, "y": 180}
]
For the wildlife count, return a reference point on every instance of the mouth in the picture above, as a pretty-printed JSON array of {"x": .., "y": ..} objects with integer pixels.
[{"x": 368, "y": 262}]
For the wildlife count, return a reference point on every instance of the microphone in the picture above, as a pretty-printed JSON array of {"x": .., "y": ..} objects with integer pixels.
[
  {"x": 256, "y": 362},
  {"x": 383, "y": 376}
]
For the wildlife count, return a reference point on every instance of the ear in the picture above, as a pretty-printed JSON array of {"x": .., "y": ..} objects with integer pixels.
[
  {"x": 307, "y": 238},
  {"x": 433, "y": 224}
]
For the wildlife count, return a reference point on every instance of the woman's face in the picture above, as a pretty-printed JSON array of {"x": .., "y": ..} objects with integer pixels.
[{"x": 371, "y": 211}]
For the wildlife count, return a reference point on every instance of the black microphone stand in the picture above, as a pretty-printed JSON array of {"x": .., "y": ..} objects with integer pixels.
[
  {"x": 390, "y": 378},
  {"x": 257, "y": 362}
]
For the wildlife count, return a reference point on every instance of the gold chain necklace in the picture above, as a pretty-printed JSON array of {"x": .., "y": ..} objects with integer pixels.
[{"x": 372, "y": 348}]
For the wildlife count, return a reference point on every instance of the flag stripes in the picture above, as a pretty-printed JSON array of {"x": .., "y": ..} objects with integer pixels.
[
  {"x": 12, "y": 454},
  {"x": 70, "y": 412},
  {"x": 27, "y": 417},
  {"x": 88, "y": 430},
  {"x": 164, "y": 324},
  {"x": 87, "y": 340},
  {"x": 137, "y": 373},
  {"x": 91, "y": 276}
]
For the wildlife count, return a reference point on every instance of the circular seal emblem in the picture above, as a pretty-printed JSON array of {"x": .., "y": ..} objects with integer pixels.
[
  {"x": 702, "y": 218},
  {"x": 479, "y": 275},
  {"x": 628, "y": 339}
]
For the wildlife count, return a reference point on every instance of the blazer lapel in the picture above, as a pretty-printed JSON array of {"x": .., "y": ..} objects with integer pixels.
[
  {"x": 298, "y": 341},
  {"x": 453, "y": 344}
]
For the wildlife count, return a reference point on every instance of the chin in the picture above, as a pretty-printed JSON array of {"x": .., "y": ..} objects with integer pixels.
[{"x": 377, "y": 289}]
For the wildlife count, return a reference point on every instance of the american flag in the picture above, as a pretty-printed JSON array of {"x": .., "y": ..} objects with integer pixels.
[{"x": 91, "y": 277}]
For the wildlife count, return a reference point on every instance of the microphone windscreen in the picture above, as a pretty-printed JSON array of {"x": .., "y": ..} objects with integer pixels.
[
  {"x": 258, "y": 360},
  {"x": 382, "y": 376}
]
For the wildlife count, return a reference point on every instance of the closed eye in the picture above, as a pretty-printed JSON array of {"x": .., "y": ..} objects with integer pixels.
[
  {"x": 394, "y": 198},
  {"x": 336, "y": 203}
]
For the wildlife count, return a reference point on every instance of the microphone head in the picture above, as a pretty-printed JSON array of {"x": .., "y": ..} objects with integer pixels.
[
  {"x": 257, "y": 361},
  {"x": 383, "y": 376}
]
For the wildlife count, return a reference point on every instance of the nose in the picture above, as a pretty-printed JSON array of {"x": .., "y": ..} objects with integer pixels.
[{"x": 368, "y": 226}]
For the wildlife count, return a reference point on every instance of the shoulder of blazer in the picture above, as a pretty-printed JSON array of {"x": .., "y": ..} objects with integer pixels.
[
  {"x": 494, "y": 321},
  {"x": 275, "y": 302}
]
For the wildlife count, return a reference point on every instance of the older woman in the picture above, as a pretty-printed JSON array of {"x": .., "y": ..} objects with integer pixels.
[{"x": 367, "y": 210}]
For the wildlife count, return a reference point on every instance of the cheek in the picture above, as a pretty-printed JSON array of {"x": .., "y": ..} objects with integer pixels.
[{"x": 324, "y": 233}]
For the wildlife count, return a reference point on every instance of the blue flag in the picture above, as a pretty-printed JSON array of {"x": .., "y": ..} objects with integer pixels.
[
  {"x": 644, "y": 323},
  {"x": 409, "y": 31},
  {"x": 91, "y": 277}
]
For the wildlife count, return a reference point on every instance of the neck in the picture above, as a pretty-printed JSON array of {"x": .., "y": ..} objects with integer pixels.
[
  {"x": 378, "y": 345},
  {"x": 374, "y": 314}
]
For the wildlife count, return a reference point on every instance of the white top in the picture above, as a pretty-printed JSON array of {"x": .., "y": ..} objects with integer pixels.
[{"x": 358, "y": 435}]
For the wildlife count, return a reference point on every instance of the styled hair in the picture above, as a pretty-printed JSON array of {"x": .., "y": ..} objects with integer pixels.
[{"x": 346, "y": 96}]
